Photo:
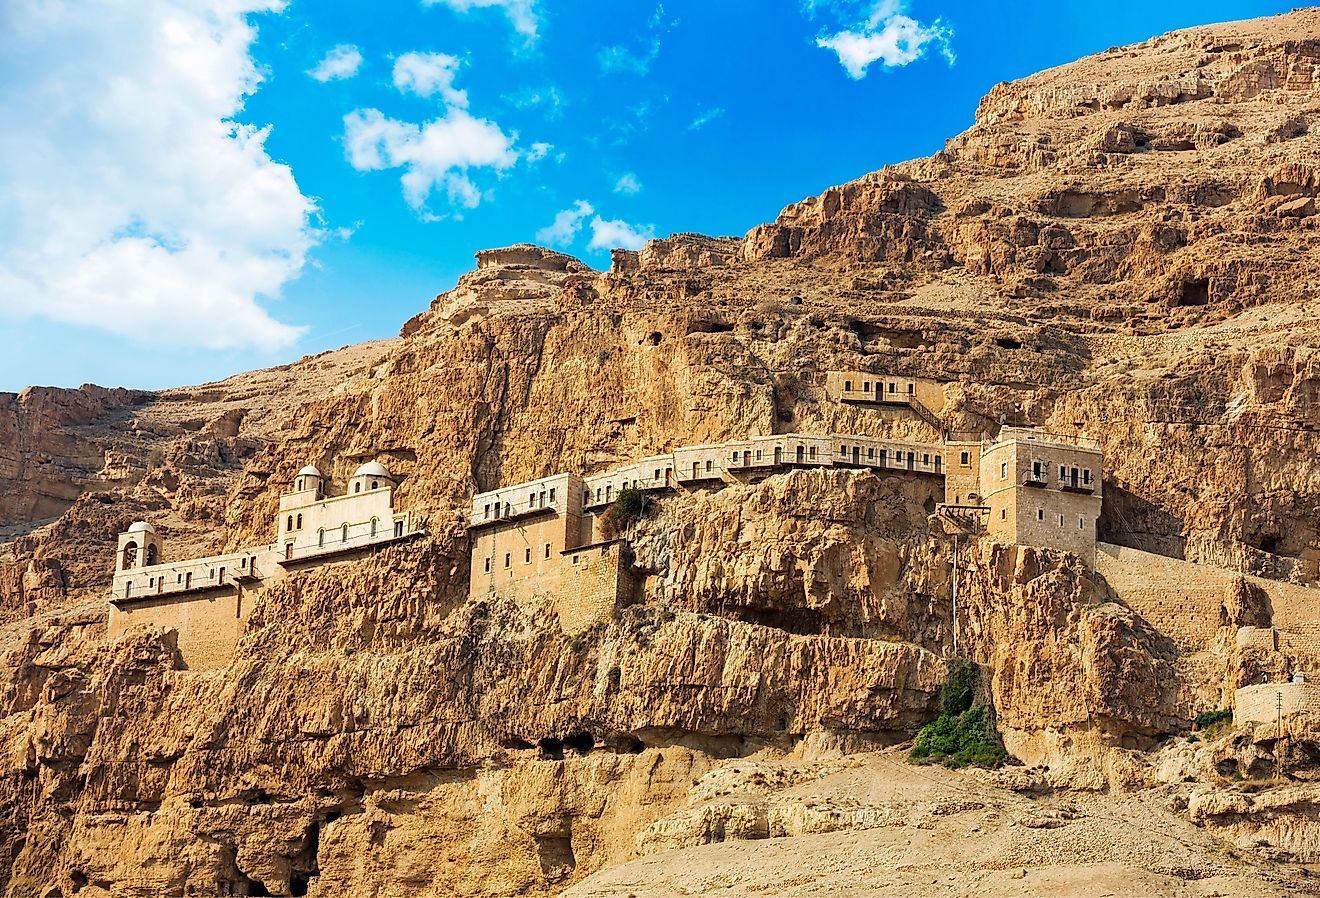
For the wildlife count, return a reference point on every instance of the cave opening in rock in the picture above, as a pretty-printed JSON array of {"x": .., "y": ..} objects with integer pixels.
[
  {"x": 628, "y": 744},
  {"x": 1195, "y": 292},
  {"x": 655, "y": 338},
  {"x": 1269, "y": 543},
  {"x": 1008, "y": 343},
  {"x": 551, "y": 748},
  {"x": 582, "y": 743}
]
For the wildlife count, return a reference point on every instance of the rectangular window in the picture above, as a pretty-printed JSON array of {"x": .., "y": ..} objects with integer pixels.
[
  {"x": 1003, "y": 514},
  {"x": 870, "y": 453},
  {"x": 552, "y": 495},
  {"x": 866, "y": 387},
  {"x": 1036, "y": 469},
  {"x": 758, "y": 454},
  {"x": 912, "y": 388},
  {"x": 508, "y": 559},
  {"x": 552, "y": 498},
  {"x": 843, "y": 450},
  {"x": 893, "y": 387},
  {"x": 656, "y": 475},
  {"x": 847, "y": 385},
  {"x": 1003, "y": 470},
  {"x": 883, "y": 454},
  {"x": 812, "y": 452},
  {"x": 1080, "y": 525},
  {"x": 488, "y": 565},
  {"x": 575, "y": 559},
  {"x": 1040, "y": 514},
  {"x": 1060, "y": 520},
  {"x": 531, "y": 500},
  {"x": 547, "y": 550},
  {"x": 1086, "y": 475},
  {"x": 965, "y": 459},
  {"x": 925, "y": 458},
  {"x": 1063, "y": 472},
  {"x": 527, "y": 555},
  {"x": 708, "y": 464}
]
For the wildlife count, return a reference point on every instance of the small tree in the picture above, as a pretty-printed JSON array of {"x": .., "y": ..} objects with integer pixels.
[
  {"x": 623, "y": 511},
  {"x": 965, "y": 732}
]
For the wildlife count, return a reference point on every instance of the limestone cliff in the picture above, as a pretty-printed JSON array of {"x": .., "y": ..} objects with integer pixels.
[{"x": 1120, "y": 249}]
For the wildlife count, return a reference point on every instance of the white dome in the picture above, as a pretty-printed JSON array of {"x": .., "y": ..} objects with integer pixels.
[
  {"x": 310, "y": 471},
  {"x": 373, "y": 469},
  {"x": 141, "y": 527}
]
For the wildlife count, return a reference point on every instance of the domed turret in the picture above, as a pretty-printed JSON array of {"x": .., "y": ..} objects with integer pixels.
[
  {"x": 308, "y": 479},
  {"x": 139, "y": 546},
  {"x": 370, "y": 476}
]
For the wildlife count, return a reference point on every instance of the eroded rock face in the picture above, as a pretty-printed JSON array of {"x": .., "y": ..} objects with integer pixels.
[{"x": 1118, "y": 249}]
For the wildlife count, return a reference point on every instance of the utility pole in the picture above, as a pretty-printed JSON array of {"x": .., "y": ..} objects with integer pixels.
[
  {"x": 955, "y": 595},
  {"x": 1278, "y": 730}
]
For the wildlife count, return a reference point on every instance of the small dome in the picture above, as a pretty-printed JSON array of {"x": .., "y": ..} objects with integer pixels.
[
  {"x": 373, "y": 469},
  {"x": 309, "y": 471},
  {"x": 141, "y": 527}
]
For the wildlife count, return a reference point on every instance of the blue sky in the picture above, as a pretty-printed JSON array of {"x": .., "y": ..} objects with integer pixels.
[{"x": 198, "y": 188}]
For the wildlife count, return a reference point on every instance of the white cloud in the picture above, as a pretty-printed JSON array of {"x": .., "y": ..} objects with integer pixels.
[
  {"x": 887, "y": 37},
  {"x": 621, "y": 59},
  {"x": 628, "y": 184},
  {"x": 705, "y": 118},
  {"x": 521, "y": 13},
  {"x": 539, "y": 151},
  {"x": 440, "y": 153},
  {"x": 566, "y": 226},
  {"x": 341, "y": 62},
  {"x": 611, "y": 234},
  {"x": 130, "y": 200},
  {"x": 547, "y": 98},
  {"x": 428, "y": 74}
]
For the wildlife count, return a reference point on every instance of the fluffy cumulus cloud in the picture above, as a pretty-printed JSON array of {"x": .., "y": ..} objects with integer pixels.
[
  {"x": 129, "y": 199},
  {"x": 568, "y": 222},
  {"x": 628, "y": 185},
  {"x": 341, "y": 62},
  {"x": 442, "y": 154},
  {"x": 889, "y": 37},
  {"x": 521, "y": 13},
  {"x": 436, "y": 155},
  {"x": 429, "y": 74},
  {"x": 605, "y": 234},
  {"x": 618, "y": 234}
]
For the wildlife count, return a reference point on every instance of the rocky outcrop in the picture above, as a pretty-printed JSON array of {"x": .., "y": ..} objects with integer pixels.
[{"x": 1117, "y": 249}]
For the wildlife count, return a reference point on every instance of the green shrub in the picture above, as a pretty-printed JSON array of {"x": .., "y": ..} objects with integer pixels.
[
  {"x": 1206, "y": 719},
  {"x": 964, "y": 734},
  {"x": 624, "y": 510}
]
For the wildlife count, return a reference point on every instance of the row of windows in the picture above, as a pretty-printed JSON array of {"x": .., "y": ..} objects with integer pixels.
[
  {"x": 1040, "y": 516},
  {"x": 343, "y": 532},
  {"x": 879, "y": 387},
  {"x": 184, "y": 578},
  {"x": 527, "y": 557},
  {"x": 542, "y": 499}
]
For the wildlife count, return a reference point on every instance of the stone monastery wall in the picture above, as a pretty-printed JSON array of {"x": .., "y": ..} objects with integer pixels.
[
  {"x": 1262, "y": 702},
  {"x": 206, "y": 601}
]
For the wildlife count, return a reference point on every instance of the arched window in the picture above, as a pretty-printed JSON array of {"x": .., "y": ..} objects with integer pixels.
[
  {"x": 299, "y": 522},
  {"x": 357, "y": 487},
  {"x": 373, "y": 526},
  {"x": 375, "y": 484},
  {"x": 290, "y": 524},
  {"x": 151, "y": 555},
  {"x": 320, "y": 537},
  {"x": 130, "y": 554},
  {"x": 343, "y": 534},
  {"x": 300, "y": 484}
]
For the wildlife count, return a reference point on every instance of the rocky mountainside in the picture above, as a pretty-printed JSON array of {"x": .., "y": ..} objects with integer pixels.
[{"x": 1121, "y": 248}]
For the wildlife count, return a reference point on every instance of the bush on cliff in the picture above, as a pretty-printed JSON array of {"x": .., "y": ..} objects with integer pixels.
[
  {"x": 625, "y": 509},
  {"x": 964, "y": 733}
]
